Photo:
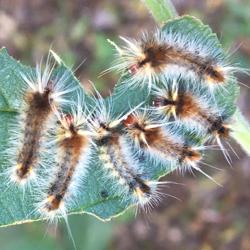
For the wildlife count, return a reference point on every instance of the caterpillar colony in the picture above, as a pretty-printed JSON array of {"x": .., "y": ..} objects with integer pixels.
[{"x": 184, "y": 76}]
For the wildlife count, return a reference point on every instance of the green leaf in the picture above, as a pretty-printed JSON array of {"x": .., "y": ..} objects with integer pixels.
[
  {"x": 16, "y": 208},
  {"x": 161, "y": 10}
]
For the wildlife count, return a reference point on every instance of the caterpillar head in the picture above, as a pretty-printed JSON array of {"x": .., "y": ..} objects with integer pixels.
[{"x": 138, "y": 127}]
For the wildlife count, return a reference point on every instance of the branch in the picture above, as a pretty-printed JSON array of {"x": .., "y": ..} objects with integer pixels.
[{"x": 241, "y": 131}]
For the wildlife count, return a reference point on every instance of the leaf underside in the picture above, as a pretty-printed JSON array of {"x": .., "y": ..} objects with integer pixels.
[{"x": 17, "y": 208}]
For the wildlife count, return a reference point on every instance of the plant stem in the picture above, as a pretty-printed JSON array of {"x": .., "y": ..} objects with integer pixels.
[
  {"x": 241, "y": 131},
  {"x": 161, "y": 10}
]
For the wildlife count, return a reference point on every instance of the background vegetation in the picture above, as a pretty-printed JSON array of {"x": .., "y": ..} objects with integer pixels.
[{"x": 208, "y": 217}]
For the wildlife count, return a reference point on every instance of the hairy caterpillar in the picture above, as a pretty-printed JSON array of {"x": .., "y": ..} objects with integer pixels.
[
  {"x": 169, "y": 51},
  {"x": 161, "y": 143},
  {"x": 117, "y": 159},
  {"x": 73, "y": 144},
  {"x": 42, "y": 93},
  {"x": 194, "y": 106}
]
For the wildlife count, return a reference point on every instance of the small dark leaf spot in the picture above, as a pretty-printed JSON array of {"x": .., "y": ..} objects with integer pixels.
[{"x": 104, "y": 194}]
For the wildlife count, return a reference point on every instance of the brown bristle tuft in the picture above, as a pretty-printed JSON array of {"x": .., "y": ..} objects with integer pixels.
[
  {"x": 218, "y": 128},
  {"x": 23, "y": 171},
  {"x": 186, "y": 106},
  {"x": 53, "y": 202},
  {"x": 155, "y": 54},
  {"x": 224, "y": 131},
  {"x": 189, "y": 154},
  {"x": 39, "y": 102},
  {"x": 142, "y": 186},
  {"x": 214, "y": 75}
]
